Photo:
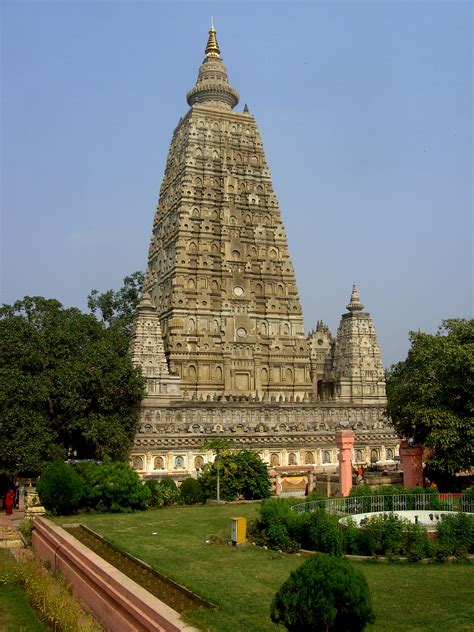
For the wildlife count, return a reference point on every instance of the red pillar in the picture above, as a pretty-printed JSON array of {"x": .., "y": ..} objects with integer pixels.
[
  {"x": 411, "y": 458},
  {"x": 345, "y": 441}
]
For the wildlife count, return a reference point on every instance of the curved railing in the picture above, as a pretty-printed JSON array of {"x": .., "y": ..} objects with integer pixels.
[{"x": 397, "y": 502}]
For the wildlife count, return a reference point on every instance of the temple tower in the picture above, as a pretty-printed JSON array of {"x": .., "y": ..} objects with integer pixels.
[
  {"x": 357, "y": 366},
  {"x": 219, "y": 270},
  {"x": 219, "y": 332}
]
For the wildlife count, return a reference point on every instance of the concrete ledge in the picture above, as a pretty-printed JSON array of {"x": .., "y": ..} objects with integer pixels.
[{"x": 116, "y": 601}]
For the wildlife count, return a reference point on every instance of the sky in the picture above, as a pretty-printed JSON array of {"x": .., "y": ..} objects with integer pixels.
[{"x": 365, "y": 110}]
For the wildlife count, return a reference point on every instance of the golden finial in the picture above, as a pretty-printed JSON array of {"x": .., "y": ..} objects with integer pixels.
[{"x": 212, "y": 48}]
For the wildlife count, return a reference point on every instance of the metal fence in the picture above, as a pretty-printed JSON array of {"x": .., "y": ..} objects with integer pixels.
[{"x": 397, "y": 502}]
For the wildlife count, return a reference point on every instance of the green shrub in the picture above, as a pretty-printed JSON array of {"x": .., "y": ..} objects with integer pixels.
[
  {"x": 381, "y": 535},
  {"x": 114, "y": 487},
  {"x": 350, "y": 537},
  {"x": 169, "y": 491},
  {"x": 242, "y": 474},
  {"x": 324, "y": 534},
  {"x": 455, "y": 535},
  {"x": 272, "y": 525},
  {"x": 60, "y": 489},
  {"x": 51, "y": 597},
  {"x": 324, "y": 593},
  {"x": 156, "y": 497},
  {"x": 190, "y": 492},
  {"x": 26, "y": 529},
  {"x": 416, "y": 544}
]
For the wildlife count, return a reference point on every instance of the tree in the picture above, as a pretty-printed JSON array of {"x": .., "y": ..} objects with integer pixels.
[
  {"x": 217, "y": 446},
  {"x": 112, "y": 486},
  {"x": 66, "y": 385},
  {"x": 431, "y": 396},
  {"x": 118, "y": 308},
  {"x": 60, "y": 489},
  {"x": 325, "y": 593},
  {"x": 241, "y": 473}
]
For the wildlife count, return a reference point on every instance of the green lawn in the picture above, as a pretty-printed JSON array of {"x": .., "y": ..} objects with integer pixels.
[
  {"x": 16, "y": 614},
  {"x": 241, "y": 582}
]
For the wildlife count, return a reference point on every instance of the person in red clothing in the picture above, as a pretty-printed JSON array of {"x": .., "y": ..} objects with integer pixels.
[{"x": 9, "y": 501}]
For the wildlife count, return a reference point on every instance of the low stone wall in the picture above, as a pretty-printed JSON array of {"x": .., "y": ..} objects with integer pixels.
[
  {"x": 326, "y": 485},
  {"x": 116, "y": 601}
]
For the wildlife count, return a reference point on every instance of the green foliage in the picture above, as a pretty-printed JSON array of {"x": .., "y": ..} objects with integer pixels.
[
  {"x": 26, "y": 529},
  {"x": 276, "y": 526},
  {"x": 112, "y": 486},
  {"x": 117, "y": 309},
  {"x": 190, "y": 492},
  {"x": 456, "y": 535},
  {"x": 381, "y": 535},
  {"x": 66, "y": 385},
  {"x": 51, "y": 597},
  {"x": 431, "y": 396},
  {"x": 388, "y": 535},
  {"x": 60, "y": 489},
  {"x": 416, "y": 544},
  {"x": 162, "y": 493},
  {"x": 242, "y": 475},
  {"x": 324, "y": 534},
  {"x": 280, "y": 528},
  {"x": 325, "y": 593}
]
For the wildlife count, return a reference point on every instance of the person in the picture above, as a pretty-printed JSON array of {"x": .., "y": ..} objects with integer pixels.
[
  {"x": 9, "y": 501},
  {"x": 359, "y": 476}
]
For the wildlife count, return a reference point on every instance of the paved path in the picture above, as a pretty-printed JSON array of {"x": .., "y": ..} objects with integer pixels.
[{"x": 9, "y": 534}]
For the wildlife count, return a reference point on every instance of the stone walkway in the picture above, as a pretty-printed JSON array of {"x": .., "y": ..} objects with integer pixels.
[{"x": 9, "y": 534}]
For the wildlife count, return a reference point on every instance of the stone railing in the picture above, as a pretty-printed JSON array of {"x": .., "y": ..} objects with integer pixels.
[{"x": 397, "y": 502}]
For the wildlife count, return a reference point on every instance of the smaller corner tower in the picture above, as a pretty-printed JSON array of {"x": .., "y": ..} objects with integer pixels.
[
  {"x": 357, "y": 367},
  {"x": 147, "y": 352}
]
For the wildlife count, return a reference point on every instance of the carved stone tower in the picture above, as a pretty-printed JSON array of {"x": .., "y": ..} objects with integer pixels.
[
  {"x": 357, "y": 365},
  {"x": 219, "y": 271},
  {"x": 219, "y": 332}
]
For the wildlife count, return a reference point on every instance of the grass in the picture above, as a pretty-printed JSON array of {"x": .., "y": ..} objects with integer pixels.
[
  {"x": 16, "y": 614},
  {"x": 241, "y": 582}
]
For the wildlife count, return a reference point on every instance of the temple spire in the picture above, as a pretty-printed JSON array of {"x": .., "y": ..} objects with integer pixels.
[
  {"x": 354, "y": 304},
  {"x": 212, "y": 48},
  {"x": 212, "y": 85}
]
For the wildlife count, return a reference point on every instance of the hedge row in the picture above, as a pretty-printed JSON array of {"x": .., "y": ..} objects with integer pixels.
[
  {"x": 389, "y": 535},
  {"x": 108, "y": 487}
]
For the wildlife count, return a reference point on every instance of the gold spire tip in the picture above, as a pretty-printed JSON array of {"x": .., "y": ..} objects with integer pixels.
[{"x": 212, "y": 48}]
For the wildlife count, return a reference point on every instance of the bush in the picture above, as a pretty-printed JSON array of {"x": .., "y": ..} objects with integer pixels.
[
  {"x": 324, "y": 593},
  {"x": 190, "y": 492},
  {"x": 60, "y": 489},
  {"x": 456, "y": 535},
  {"x": 114, "y": 487},
  {"x": 51, "y": 597},
  {"x": 324, "y": 534},
  {"x": 416, "y": 544},
  {"x": 381, "y": 535},
  {"x": 169, "y": 491},
  {"x": 242, "y": 474},
  {"x": 275, "y": 524},
  {"x": 155, "y": 493}
]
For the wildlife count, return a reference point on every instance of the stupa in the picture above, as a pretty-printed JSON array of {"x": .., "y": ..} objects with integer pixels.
[{"x": 219, "y": 332}]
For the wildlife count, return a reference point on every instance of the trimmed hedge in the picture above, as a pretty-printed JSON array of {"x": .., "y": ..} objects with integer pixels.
[{"x": 389, "y": 535}]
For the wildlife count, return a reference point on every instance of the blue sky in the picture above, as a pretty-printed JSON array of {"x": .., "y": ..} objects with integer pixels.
[{"x": 365, "y": 113}]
